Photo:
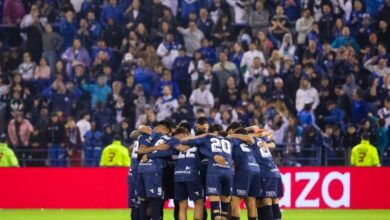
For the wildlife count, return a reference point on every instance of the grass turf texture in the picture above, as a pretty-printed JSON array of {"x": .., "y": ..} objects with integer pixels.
[{"x": 123, "y": 214}]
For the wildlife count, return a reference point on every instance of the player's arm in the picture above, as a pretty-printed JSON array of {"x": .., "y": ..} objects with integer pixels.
[
  {"x": 270, "y": 145},
  {"x": 246, "y": 138},
  {"x": 143, "y": 149}
]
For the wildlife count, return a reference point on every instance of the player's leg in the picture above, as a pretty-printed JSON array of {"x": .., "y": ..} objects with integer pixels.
[
  {"x": 226, "y": 193},
  {"x": 251, "y": 207},
  {"x": 269, "y": 186},
  {"x": 203, "y": 169},
  {"x": 181, "y": 196},
  {"x": 264, "y": 209},
  {"x": 141, "y": 193},
  {"x": 196, "y": 194},
  {"x": 275, "y": 202},
  {"x": 254, "y": 191},
  {"x": 214, "y": 192},
  {"x": 276, "y": 209},
  {"x": 154, "y": 193},
  {"x": 235, "y": 207}
]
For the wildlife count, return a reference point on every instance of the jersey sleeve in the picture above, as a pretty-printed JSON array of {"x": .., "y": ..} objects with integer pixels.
[
  {"x": 193, "y": 142},
  {"x": 13, "y": 160},
  {"x": 375, "y": 157},
  {"x": 144, "y": 140},
  {"x": 173, "y": 143}
]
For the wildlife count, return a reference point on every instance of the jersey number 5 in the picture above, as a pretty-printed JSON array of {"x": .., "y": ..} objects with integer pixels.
[{"x": 219, "y": 146}]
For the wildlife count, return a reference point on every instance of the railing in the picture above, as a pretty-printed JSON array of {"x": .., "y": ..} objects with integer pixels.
[{"x": 284, "y": 155}]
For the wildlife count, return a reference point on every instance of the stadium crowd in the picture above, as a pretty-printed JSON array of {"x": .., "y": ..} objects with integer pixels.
[{"x": 315, "y": 73}]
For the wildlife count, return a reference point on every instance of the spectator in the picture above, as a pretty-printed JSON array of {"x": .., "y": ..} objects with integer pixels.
[
  {"x": 303, "y": 27},
  {"x": 27, "y": 68},
  {"x": 222, "y": 30},
  {"x": 254, "y": 75},
  {"x": 84, "y": 125},
  {"x": 223, "y": 69},
  {"x": 202, "y": 98},
  {"x": 168, "y": 50},
  {"x": 73, "y": 142},
  {"x": 287, "y": 49},
  {"x": 166, "y": 104},
  {"x": 364, "y": 154},
  {"x": 92, "y": 146},
  {"x": 259, "y": 18},
  {"x": 280, "y": 25},
  {"x": 8, "y": 158},
  {"x": 192, "y": 37},
  {"x": 52, "y": 42},
  {"x": 384, "y": 113},
  {"x": 99, "y": 91},
  {"x": 360, "y": 108},
  {"x": 56, "y": 142},
  {"x": 75, "y": 55},
  {"x": 135, "y": 15},
  {"x": 306, "y": 116},
  {"x": 13, "y": 12},
  {"x": 204, "y": 23},
  {"x": 19, "y": 132},
  {"x": 335, "y": 116},
  {"x": 180, "y": 70},
  {"x": 326, "y": 23},
  {"x": 112, "y": 10},
  {"x": 184, "y": 112},
  {"x": 166, "y": 81},
  {"x": 249, "y": 56},
  {"x": 306, "y": 94},
  {"x": 68, "y": 30},
  {"x": 345, "y": 40}
]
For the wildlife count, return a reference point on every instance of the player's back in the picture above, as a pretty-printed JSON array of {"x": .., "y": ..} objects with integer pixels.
[
  {"x": 188, "y": 165},
  {"x": 264, "y": 158},
  {"x": 7, "y": 157},
  {"x": 115, "y": 155},
  {"x": 364, "y": 154},
  {"x": 243, "y": 157},
  {"x": 222, "y": 146}
]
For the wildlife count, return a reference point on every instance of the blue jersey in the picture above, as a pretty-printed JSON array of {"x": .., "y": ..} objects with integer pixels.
[
  {"x": 210, "y": 146},
  {"x": 135, "y": 159},
  {"x": 264, "y": 158},
  {"x": 157, "y": 159},
  {"x": 243, "y": 157},
  {"x": 187, "y": 167}
]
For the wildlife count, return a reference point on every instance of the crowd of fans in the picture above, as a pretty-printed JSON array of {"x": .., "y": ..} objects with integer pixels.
[{"x": 74, "y": 72}]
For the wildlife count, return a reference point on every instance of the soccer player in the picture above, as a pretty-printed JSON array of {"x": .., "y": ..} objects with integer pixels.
[
  {"x": 219, "y": 177},
  {"x": 188, "y": 184},
  {"x": 150, "y": 171},
  {"x": 7, "y": 156},
  {"x": 115, "y": 155},
  {"x": 364, "y": 154},
  {"x": 268, "y": 204},
  {"x": 247, "y": 174}
]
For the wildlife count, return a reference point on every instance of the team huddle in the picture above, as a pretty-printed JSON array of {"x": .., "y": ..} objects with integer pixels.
[{"x": 227, "y": 166}]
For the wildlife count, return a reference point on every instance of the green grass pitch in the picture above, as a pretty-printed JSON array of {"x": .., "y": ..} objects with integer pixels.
[{"x": 123, "y": 214}]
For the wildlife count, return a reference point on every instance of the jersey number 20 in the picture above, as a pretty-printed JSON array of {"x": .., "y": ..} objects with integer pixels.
[{"x": 219, "y": 146}]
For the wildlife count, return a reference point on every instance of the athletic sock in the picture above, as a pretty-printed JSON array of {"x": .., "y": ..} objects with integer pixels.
[
  {"x": 276, "y": 211},
  {"x": 155, "y": 205},
  {"x": 266, "y": 213},
  {"x": 235, "y": 218},
  {"x": 134, "y": 213},
  {"x": 176, "y": 210},
  {"x": 142, "y": 210},
  {"x": 215, "y": 210},
  {"x": 225, "y": 210},
  {"x": 205, "y": 214}
]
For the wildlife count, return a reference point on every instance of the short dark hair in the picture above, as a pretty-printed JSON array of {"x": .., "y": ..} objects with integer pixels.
[
  {"x": 185, "y": 125},
  {"x": 180, "y": 130},
  {"x": 216, "y": 128},
  {"x": 241, "y": 131},
  {"x": 164, "y": 123},
  {"x": 202, "y": 121},
  {"x": 233, "y": 126},
  {"x": 365, "y": 136}
]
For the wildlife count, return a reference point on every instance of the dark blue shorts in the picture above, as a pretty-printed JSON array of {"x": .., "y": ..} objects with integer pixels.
[
  {"x": 189, "y": 190},
  {"x": 149, "y": 185},
  {"x": 280, "y": 188},
  {"x": 269, "y": 187},
  {"x": 133, "y": 198},
  {"x": 168, "y": 180},
  {"x": 219, "y": 184},
  {"x": 247, "y": 184}
]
